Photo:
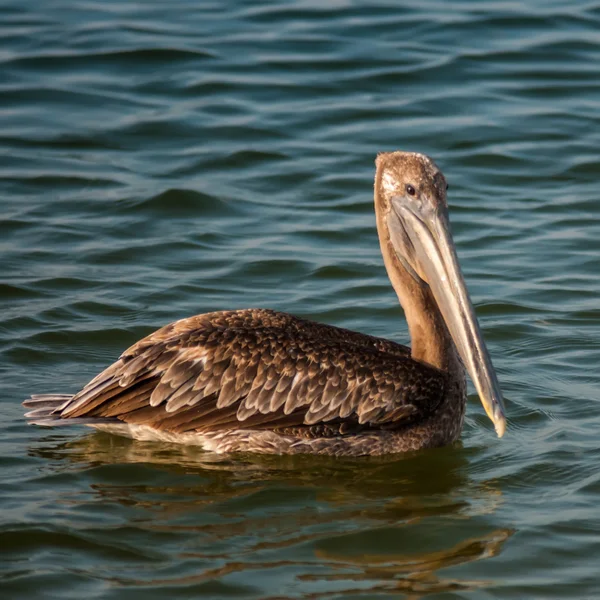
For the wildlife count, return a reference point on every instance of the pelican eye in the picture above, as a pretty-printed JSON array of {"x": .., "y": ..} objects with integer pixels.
[{"x": 410, "y": 190}]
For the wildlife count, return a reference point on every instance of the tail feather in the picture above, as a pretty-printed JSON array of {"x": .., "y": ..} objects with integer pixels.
[
  {"x": 50, "y": 402},
  {"x": 38, "y": 412},
  {"x": 47, "y": 411},
  {"x": 58, "y": 422}
]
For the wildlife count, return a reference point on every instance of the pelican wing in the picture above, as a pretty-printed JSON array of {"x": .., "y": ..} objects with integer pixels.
[{"x": 258, "y": 369}]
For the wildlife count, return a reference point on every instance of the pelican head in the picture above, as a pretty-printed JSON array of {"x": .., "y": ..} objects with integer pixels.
[{"x": 412, "y": 209}]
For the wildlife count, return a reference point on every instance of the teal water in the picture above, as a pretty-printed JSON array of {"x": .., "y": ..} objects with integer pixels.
[{"x": 159, "y": 160}]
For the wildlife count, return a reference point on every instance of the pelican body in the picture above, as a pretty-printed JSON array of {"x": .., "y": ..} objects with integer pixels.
[{"x": 257, "y": 380}]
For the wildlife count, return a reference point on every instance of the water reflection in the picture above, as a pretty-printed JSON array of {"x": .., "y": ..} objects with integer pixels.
[
  {"x": 337, "y": 526},
  {"x": 417, "y": 573}
]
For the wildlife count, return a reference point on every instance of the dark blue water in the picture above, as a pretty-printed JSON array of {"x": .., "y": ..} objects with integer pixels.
[{"x": 159, "y": 160}]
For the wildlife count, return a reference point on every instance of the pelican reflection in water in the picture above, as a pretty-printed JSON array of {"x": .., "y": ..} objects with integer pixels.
[{"x": 257, "y": 380}]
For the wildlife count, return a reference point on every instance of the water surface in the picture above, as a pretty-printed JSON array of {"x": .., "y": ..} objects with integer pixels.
[{"x": 163, "y": 159}]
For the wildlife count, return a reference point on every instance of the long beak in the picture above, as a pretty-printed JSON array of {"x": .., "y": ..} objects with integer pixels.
[{"x": 437, "y": 264}]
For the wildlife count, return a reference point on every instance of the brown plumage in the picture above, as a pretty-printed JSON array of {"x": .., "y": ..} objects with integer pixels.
[{"x": 266, "y": 381}]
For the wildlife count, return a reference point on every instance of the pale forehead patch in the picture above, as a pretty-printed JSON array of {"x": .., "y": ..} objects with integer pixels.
[
  {"x": 422, "y": 157},
  {"x": 426, "y": 162},
  {"x": 389, "y": 182}
]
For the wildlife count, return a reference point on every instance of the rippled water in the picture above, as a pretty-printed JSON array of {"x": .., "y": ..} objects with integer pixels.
[{"x": 164, "y": 159}]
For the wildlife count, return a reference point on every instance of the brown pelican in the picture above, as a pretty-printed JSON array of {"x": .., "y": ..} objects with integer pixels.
[{"x": 263, "y": 381}]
